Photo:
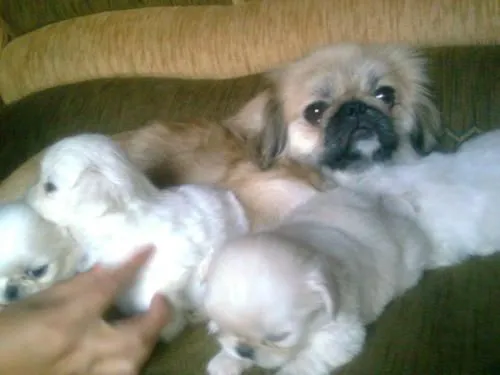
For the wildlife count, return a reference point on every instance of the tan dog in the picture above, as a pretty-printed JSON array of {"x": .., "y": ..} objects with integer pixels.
[
  {"x": 344, "y": 106},
  {"x": 202, "y": 153}
]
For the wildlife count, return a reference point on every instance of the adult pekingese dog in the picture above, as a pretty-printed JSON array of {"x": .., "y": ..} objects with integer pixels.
[{"x": 344, "y": 106}]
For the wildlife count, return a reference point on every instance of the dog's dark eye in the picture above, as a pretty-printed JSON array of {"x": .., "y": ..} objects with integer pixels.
[
  {"x": 49, "y": 187},
  {"x": 277, "y": 337},
  {"x": 314, "y": 112},
  {"x": 387, "y": 94},
  {"x": 38, "y": 272}
]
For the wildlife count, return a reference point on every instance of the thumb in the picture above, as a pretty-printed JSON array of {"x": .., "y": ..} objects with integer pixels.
[{"x": 149, "y": 324}]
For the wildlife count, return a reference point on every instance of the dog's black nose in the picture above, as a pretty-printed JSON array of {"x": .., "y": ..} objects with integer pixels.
[
  {"x": 12, "y": 292},
  {"x": 352, "y": 108},
  {"x": 245, "y": 351}
]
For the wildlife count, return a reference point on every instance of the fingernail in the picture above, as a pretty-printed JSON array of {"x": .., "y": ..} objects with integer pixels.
[{"x": 146, "y": 251}]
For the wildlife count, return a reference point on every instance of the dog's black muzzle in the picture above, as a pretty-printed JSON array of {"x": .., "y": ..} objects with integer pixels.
[{"x": 356, "y": 121}]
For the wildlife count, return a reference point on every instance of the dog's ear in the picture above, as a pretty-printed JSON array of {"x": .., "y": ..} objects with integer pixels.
[
  {"x": 250, "y": 119},
  {"x": 261, "y": 125},
  {"x": 428, "y": 126},
  {"x": 270, "y": 142},
  {"x": 325, "y": 288},
  {"x": 202, "y": 269},
  {"x": 95, "y": 194}
]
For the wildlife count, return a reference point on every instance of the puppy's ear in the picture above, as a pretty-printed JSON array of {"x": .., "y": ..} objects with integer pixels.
[
  {"x": 261, "y": 125},
  {"x": 95, "y": 194},
  {"x": 202, "y": 270},
  {"x": 424, "y": 137},
  {"x": 325, "y": 288}
]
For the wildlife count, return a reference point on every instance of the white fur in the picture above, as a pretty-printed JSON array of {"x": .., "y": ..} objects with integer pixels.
[
  {"x": 112, "y": 209},
  {"x": 314, "y": 281},
  {"x": 31, "y": 244},
  {"x": 455, "y": 197}
]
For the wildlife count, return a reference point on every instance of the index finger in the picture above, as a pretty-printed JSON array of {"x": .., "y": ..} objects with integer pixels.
[{"x": 98, "y": 288}]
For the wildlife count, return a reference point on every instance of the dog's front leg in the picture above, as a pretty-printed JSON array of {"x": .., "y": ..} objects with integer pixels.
[
  {"x": 225, "y": 364},
  {"x": 176, "y": 324},
  {"x": 333, "y": 346}
]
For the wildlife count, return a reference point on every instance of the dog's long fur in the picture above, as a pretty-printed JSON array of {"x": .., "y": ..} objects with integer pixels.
[
  {"x": 336, "y": 261},
  {"x": 89, "y": 186},
  {"x": 395, "y": 129},
  {"x": 296, "y": 298},
  {"x": 35, "y": 253},
  {"x": 455, "y": 197}
]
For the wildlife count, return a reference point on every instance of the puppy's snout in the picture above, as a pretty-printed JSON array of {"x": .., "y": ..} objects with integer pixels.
[
  {"x": 352, "y": 109},
  {"x": 12, "y": 292},
  {"x": 245, "y": 351}
]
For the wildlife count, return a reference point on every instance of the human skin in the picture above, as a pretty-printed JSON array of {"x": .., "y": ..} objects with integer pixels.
[{"x": 61, "y": 331}]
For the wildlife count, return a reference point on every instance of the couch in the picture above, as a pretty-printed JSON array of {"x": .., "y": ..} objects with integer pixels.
[{"x": 188, "y": 59}]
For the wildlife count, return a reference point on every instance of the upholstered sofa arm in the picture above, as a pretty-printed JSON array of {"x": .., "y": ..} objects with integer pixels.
[{"x": 217, "y": 41}]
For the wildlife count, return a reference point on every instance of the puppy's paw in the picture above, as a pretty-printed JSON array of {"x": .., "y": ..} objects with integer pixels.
[
  {"x": 224, "y": 364},
  {"x": 174, "y": 327},
  {"x": 304, "y": 366},
  {"x": 334, "y": 178},
  {"x": 195, "y": 317}
]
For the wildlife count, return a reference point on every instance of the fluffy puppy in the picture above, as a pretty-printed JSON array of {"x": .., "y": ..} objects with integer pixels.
[
  {"x": 202, "y": 153},
  {"x": 455, "y": 197},
  {"x": 344, "y": 106},
  {"x": 89, "y": 186},
  {"x": 35, "y": 253},
  {"x": 296, "y": 298}
]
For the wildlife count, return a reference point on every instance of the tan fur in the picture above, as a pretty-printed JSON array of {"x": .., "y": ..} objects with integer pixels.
[
  {"x": 336, "y": 74},
  {"x": 176, "y": 153}
]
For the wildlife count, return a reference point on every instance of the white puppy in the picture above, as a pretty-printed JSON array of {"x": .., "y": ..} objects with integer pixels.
[
  {"x": 88, "y": 185},
  {"x": 296, "y": 298},
  {"x": 35, "y": 253},
  {"x": 455, "y": 197}
]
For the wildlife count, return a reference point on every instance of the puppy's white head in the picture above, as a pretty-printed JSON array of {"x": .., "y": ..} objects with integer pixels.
[
  {"x": 85, "y": 176},
  {"x": 35, "y": 253},
  {"x": 265, "y": 296}
]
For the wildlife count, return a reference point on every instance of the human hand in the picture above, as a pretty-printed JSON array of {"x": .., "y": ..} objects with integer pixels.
[{"x": 61, "y": 331}]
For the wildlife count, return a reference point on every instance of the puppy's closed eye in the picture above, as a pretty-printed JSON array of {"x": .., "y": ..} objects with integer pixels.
[
  {"x": 37, "y": 272},
  {"x": 277, "y": 337}
]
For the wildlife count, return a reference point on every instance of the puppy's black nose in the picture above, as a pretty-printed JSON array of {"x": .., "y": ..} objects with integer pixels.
[
  {"x": 12, "y": 292},
  {"x": 352, "y": 108},
  {"x": 245, "y": 351}
]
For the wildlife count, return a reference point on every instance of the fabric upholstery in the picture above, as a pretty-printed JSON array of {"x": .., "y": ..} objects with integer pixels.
[
  {"x": 27, "y": 15},
  {"x": 228, "y": 41}
]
